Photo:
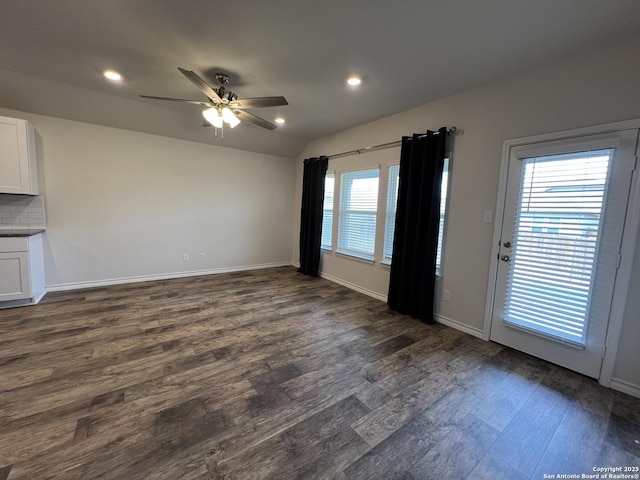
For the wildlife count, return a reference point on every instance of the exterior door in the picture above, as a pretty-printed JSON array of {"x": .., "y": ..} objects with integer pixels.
[{"x": 559, "y": 249}]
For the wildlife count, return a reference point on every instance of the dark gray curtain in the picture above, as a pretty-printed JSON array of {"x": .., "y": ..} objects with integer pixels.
[
  {"x": 315, "y": 170},
  {"x": 415, "y": 243}
]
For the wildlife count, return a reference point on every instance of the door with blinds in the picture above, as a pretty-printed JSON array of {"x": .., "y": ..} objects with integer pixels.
[{"x": 559, "y": 249}]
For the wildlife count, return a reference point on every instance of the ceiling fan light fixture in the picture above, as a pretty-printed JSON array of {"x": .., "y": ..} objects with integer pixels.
[
  {"x": 212, "y": 116},
  {"x": 354, "y": 81},
  {"x": 229, "y": 117},
  {"x": 112, "y": 75}
]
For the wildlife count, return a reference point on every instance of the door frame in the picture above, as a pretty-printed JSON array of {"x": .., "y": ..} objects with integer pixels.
[{"x": 629, "y": 238}]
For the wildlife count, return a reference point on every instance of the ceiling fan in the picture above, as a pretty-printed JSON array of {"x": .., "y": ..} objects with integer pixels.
[{"x": 224, "y": 106}]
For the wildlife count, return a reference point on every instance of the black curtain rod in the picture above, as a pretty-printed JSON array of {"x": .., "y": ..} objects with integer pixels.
[{"x": 381, "y": 146}]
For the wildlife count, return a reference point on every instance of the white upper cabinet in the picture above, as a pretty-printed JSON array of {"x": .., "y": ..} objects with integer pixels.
[{"x": 17, "y": 157}]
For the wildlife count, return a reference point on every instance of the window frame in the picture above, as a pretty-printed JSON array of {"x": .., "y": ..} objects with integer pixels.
[
  {"x": 324, "y": 246},
  {"x": 381, "y": 160},
  {"x": 338, "y": 219},
  {"x": 445, "y": 185},
  {"x": 443, "y": 213},
  {"x": 386, "y": 260}
]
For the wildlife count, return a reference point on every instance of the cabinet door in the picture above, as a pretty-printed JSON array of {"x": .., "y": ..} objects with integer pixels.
[
  {"x": 17, "y": 157},
  {"x": 14, "y": 276}
]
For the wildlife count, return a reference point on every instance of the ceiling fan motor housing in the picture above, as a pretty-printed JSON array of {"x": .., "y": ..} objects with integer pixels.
[{"x": 222, "y": 78}]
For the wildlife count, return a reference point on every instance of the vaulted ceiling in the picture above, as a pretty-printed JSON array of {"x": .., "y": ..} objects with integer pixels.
[{"x": 408, "y": 53}]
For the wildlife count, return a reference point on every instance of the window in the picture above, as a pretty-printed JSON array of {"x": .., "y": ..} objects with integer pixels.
[
  {"x": 390, "y": 219},
  {"x": 553, "y": 264},
  {"x": 392, "y": 202},
  {"x": 444, "y": 190},
  {"x": 357, "y": 214},
  {"x": 327, "y": 211}
]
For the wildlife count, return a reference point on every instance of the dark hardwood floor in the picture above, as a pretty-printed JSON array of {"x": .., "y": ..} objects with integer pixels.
[{"x": 273, "y": 375}]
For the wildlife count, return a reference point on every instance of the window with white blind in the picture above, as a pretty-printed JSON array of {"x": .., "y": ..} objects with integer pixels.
[
  {"x": 392, "y": 202},
  {"x": 444, "y": 193},
  {"x": 557, "y": 229},
  {"x": 390, "y": 217},
  {"x": 327, "y": 211},
  {"x": 358, "y": 205}
]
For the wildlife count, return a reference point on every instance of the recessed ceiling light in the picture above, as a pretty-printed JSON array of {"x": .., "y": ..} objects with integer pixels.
[
  {"x": 112, "y": 75},
  {"x": 354, "y": 80},
  {"x": 279, "y": 120}
]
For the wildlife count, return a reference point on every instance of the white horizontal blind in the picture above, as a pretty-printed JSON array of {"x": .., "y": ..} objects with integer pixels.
[
  {"x": 444, "y": 186},
  {"x": 327, "y": 211},
  {"x": 390, "y": 218},
  {"x": 357, "y": 215},
  {"x": 555, "y": 244},
  {"x": 392, "y": 204}
]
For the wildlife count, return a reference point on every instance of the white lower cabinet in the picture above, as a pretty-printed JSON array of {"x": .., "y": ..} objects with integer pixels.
[{"x": 21, "y": 271}]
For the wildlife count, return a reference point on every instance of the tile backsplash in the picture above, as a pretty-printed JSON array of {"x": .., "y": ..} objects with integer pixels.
[{"x": 21, "y": 211}]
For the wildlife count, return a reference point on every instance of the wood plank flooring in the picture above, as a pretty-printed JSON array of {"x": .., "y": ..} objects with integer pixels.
[{"x": 272, "y": 375}]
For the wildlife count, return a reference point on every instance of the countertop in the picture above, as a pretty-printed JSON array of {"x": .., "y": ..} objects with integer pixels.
[{"x": 25, "y": 232}]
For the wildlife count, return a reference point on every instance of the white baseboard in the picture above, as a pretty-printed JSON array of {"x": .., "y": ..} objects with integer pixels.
[
  {"x": 476, "y": 332},
  {"x": 23, "y": 302},
  {"x": 163, "y": 276},
  {"x": 625, "y": 387},
  {"x": 355, "y": 287}
]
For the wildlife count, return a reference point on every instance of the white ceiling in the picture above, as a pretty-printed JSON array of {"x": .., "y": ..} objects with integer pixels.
[{"x": 409, "y": 52}]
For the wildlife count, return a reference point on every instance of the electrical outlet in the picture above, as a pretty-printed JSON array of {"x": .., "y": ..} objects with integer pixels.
[
  {"x": 203, "y": 256},
  {"x": 185, "y": 257},
  {"x": 446, "y": 295},
  {"x": 487, "y": 216}
]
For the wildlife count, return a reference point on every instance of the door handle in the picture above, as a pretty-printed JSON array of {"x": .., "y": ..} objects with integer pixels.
[{"x": 505, "y": 258}]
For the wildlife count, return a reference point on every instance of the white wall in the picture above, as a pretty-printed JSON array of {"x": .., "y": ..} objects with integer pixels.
[
  {"x": 627, "y": 368},
  {"x": 122, "y": 204},
  {"x": 344, "y": 268},
  {"x": 593, "y": 88}
]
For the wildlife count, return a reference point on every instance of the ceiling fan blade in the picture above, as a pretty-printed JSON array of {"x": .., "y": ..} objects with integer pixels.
[
  {"x": 167, "y": 99},
  {"x": 250, "y": 117},
  {"x": 201, "y": 84},
  {"x": 259, "y": 102}
]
